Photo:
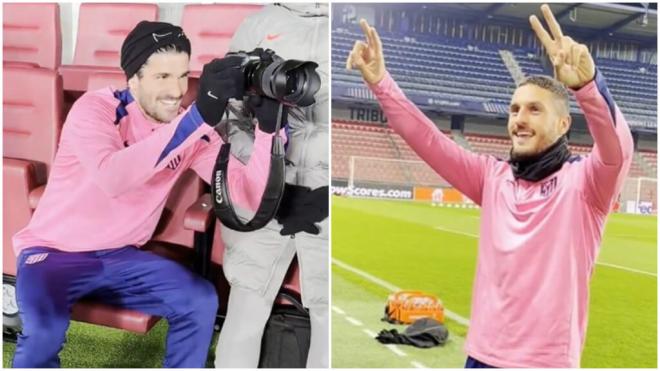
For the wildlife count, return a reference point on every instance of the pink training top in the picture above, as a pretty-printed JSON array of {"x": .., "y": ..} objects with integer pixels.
[
  {"x": 538, "y": 241},
  {"x": 114, "y": 169}
]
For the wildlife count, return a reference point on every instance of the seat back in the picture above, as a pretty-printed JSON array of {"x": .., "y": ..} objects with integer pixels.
[
  {"x": 32, "y": 104},
  {"x": 32, "y": 34},
  {"x": 187, "y": 190},
  {"x": 32, "y": 113},
  {"x": 210, "y": 28},
  {"x": 102, "y": 29},
  {"x": 99, "y": 80}
]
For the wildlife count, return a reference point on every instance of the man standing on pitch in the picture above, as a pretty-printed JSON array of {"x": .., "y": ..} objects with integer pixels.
[{"x": 543, "y": 211}]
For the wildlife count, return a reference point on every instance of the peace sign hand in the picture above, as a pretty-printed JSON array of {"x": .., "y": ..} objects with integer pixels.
[
  {"x": 572, "y": 62},
  {"x": 368, "y": 57}
]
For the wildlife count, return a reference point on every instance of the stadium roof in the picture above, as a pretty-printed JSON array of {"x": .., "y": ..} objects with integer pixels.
[{"x": 626, "y": 21}]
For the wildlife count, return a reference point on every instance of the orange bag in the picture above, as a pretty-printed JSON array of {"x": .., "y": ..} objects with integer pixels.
[{"x": 404, "y": 307}]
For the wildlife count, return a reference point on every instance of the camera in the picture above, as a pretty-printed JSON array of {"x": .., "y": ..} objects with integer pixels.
[{"x": 291, "y": 82}]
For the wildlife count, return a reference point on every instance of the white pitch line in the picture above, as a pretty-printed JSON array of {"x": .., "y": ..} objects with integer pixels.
[
  {"x": 627, "y": 269},
  {"x": 354, "y": 321},
  {"x": 390, "y": 287},
  {"x": 338, "y": 310},
  {"x": 417, "y": 364},
  {"x": 599, "y": 263},
  {"x": 392, "y": 347},
  {"x": 369, "y": 332},
  {"x": 396, "y": 350},
  {"x": 457, "y": 232}
]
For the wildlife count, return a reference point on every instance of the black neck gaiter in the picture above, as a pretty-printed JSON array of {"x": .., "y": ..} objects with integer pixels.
[{"x": 536, "y": 167}]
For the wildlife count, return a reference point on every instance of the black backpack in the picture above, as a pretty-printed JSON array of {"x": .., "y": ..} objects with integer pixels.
[{"x": 285, "y": 342}]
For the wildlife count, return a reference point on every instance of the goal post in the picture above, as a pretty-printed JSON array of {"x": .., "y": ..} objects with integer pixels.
[
  {"x": 375, "y": 177},
  {"x": 639, "y": 196}
]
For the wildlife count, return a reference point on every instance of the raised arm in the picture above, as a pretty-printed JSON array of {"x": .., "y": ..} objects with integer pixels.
[
  {"x": 611, "y": 155},
  {"x": 462, "y": 169}
]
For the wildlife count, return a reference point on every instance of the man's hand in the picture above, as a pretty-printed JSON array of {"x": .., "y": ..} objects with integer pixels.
[
  {"x": 572, "y": 62},
  {"x": 221, "y": 79},
  {"x": 265, "y": 110},
  {"x": 368, "y": 57}
]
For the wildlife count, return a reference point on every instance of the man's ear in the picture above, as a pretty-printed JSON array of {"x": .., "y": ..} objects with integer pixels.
[
  {"x": 133, "y": 83},
  {"x": 565, "y": 124}
]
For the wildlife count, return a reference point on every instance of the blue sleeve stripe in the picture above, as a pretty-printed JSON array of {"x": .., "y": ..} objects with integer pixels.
[
  {"x": 605, "y": 92},
  {"x": 124, "y": 97},
  {"x": 575, "y": 158},
  {"x": 188, "y": 124}
]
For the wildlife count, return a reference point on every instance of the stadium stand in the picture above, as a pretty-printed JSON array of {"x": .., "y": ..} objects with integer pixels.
[
  {"x": 633, "y": 85},
  {"x": 454, "y": 66},
  {"x": 443, "y": 70},
  {"x": 455, "y": 70},
  {"x": 367, "y": 140},
  {"x": 377, "y": 142}
]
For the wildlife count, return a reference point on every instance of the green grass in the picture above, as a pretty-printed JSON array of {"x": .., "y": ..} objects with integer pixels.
[
  {"x": 399, "y": 243},
  {"x": 91, "y": 346}
]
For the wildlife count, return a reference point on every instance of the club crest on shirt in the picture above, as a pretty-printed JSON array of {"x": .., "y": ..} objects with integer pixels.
[
  {"x": 174, "y": 163},
  {"x": 548, "y": 186},
  {"x": 36, "y": 258}
]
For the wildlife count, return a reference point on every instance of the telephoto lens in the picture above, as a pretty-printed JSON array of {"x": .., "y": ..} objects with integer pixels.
[{"x": 291, "y": 82}]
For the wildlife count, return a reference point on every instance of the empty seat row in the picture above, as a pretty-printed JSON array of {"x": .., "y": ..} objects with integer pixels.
[{"x": 32, "y": 32}]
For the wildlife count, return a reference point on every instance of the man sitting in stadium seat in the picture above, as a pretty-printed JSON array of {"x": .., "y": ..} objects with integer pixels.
[
  {"x": 543, "y": 211},
  {"x": 120, "y": 154}
]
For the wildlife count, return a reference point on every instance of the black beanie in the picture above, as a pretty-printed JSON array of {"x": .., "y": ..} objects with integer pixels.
[{"x": 145, "y": 39}]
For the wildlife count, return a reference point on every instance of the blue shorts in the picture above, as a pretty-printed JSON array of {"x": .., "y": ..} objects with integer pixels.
[
  {"x": 50, "y": 281},
  {"x": 473, "y": 363}
]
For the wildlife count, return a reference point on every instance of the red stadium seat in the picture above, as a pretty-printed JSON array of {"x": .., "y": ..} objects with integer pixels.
[
  {"x": 102, "y": 29},
  {"x": 210, "y": 28},
  {"x": 32, "y": 106},
  {"x": 99, "y": 80},
  {"x": 32, "y": 34}
]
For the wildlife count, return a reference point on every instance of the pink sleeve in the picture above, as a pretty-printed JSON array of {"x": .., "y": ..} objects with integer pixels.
[
  {"x": 246, "y": 182},
  {"x": 461, "y": 168},
  {"x": 611, "y": 156},
  {"x": 96, "y": 142}
]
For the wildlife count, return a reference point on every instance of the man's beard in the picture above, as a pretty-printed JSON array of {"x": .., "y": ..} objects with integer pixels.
[{"x": 153, "y": 114}]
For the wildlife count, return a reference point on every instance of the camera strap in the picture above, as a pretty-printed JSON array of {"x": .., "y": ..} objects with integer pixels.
[{"x": 272, "y": 195}]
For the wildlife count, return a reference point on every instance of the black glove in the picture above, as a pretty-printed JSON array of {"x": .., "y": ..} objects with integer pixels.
[
  {"x": 266, "y": 55},
  {"x": 301, "y": 208},
  {"x": 265, "y": 110},
  {"x": 221, "y": 79}
]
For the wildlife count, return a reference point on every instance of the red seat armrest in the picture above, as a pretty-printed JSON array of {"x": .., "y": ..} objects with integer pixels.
[
  {"x": 199, "y": 215},
  {"x": 35, "y": 196}
]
